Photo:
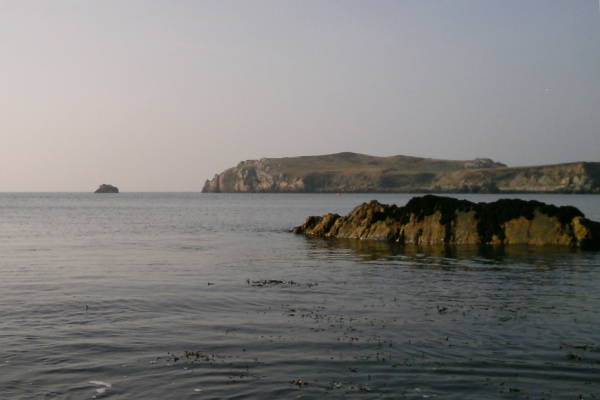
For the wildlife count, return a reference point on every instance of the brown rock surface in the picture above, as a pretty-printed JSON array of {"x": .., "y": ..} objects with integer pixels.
[{"x": 430, "y": 220}]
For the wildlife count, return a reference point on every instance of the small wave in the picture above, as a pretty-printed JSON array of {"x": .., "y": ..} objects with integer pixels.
[
  {"x": 102, "y": 389},
  {"x": 100, "y": 383}
]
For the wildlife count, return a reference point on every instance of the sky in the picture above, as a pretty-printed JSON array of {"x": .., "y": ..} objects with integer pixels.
[{"x": 161, "y": 95}]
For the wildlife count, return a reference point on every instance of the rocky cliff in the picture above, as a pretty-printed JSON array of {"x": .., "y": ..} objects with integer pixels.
[
  {"x": 263, "y": 175},
  {"x": 351, "y": 172},
  {"x": 431, "y": 220}
]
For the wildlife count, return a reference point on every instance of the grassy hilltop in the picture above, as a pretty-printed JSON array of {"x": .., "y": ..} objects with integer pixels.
[{"x": 352, "y": 172}]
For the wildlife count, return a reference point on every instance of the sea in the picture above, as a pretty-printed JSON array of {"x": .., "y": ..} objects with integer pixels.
[{"x": 210, "y": 296}]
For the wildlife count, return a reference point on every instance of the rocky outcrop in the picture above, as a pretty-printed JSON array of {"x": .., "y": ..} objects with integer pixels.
[
  {"x": 104, "y": 188},
  {"x": 430, "y": 220},
  {"x": 481, "y": 163},
  {"x": 351, "y": 172}
]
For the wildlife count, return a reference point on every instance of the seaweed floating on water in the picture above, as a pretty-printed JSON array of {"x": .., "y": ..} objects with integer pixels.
[{"x": 275, "y": 282}]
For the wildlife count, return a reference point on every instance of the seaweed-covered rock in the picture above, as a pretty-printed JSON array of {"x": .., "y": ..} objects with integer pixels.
[
  {"x": 444, "y": 220},
  {"x": 104, "y": 188}
]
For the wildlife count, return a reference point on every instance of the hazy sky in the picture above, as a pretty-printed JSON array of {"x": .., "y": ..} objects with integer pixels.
[{"x": 161, "y": 95}]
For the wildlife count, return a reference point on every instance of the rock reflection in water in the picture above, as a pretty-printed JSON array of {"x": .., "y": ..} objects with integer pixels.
[
  {"x": 542, "y": 257},
  {"x": 511, "y": 322}
]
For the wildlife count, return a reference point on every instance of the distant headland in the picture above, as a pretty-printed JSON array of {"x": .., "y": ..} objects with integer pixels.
[
  {"x": 104, "y": 188},
  {"x": 359, "y": 173}
]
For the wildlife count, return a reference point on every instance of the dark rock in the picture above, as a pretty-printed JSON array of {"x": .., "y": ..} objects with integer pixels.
[
  {"x": 444, "y": 220},
  {"x": 104, "y": 188}
]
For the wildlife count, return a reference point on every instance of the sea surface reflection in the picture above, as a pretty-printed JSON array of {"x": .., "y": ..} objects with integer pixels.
[{"x": 190, "y": 296}]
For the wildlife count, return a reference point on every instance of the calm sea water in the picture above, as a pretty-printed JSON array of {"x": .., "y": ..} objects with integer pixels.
[{"x": 208, "y": 296}]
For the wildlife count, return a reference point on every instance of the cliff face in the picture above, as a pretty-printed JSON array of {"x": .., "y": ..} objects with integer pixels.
[
  {"x": 351, "y": 172},
  {"x": 433, "y": 220},
  {"x": 578, "y": 177},
  {"x": 254, "y": 176}
]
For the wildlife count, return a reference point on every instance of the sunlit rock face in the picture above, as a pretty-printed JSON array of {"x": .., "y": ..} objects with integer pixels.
[
  {"x": 431, "y": 220},
  {"x": 104, "y": 188},
  {"x": 254, "y": 176}
]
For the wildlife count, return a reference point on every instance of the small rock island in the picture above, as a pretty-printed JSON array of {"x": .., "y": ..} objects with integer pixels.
[
  {"x": 431, "y": 220},
  {"x": 104, "y": 188}
]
